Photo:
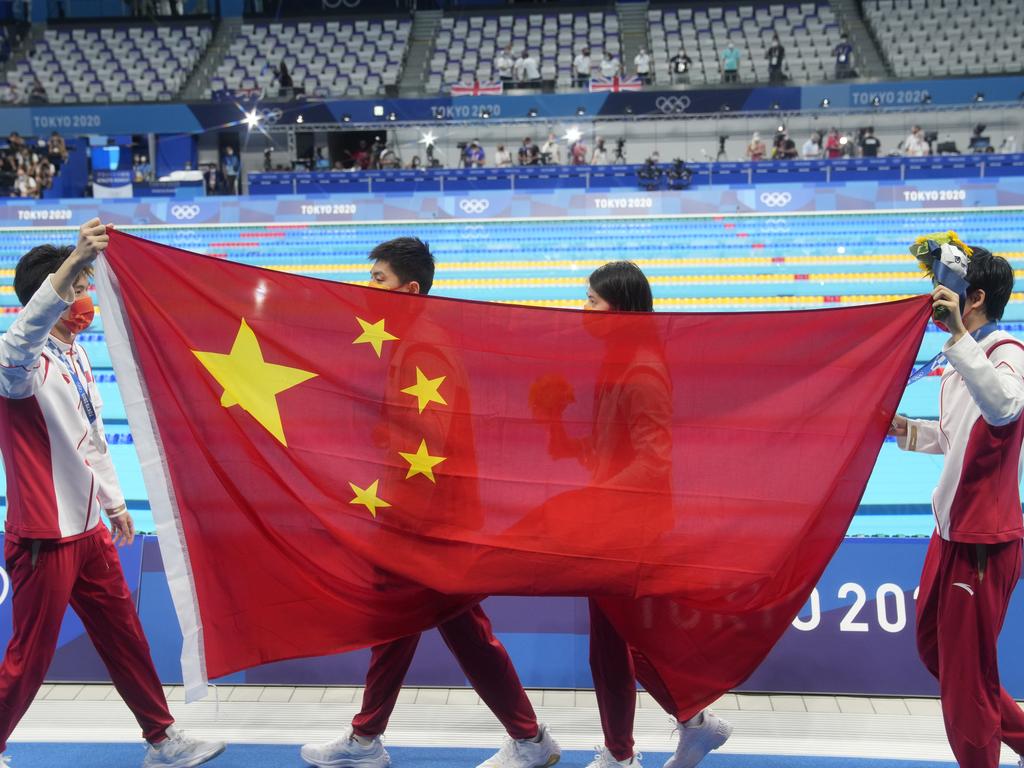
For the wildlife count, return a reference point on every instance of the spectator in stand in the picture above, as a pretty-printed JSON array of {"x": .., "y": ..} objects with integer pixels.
[
  {"x": 680, "y": 65},
  {"x": 502, "y": 157},
  {"x": 731, "y": 63},
  {"x": 37, "y": 95},
  {"x": 388, "y": 158},
  {"x": 361, "y": 157},
  {"x": 844, "y": 58},
  {"x": 551, "y": 152},
  {"x": 833, "y": 148},
  {"x": 284, "y": 81},
  {"x": 642, "y": 66},
  {"x": 231, "y": 168},
  {"x": 519, "y": 68},
  {"x": 473, "y": 155},
  {"x": 600, "y": 154},
  {"x": 812, "y": 147},
  {"x": 503, "y": 64},
  {"x": 915, "y": 145},
  {"x": 25, "y": 185},
  {"x": 57, "y": 149},
  {"x": 610, "y": 66},
  {"x": 869, "y": 143},
  {"x": 323, "y": 162},
  {"x": 529, "y": 153},
  {"x": 788, "y": 148},
  {"x": 415, "y": 164},
  {"x": 578, "y": 153},
  {"x": 212, "y": 179},
  {"x": 581, "y": 68},
  {"x": 756, "y": 149},
  {"x": 528, "y": 70},
  {"x": 776, "y": 56}
]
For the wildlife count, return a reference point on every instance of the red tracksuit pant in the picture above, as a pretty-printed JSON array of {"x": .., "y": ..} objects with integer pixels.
[
  {"x": 87, "y": 574},
  {"x": 615, "y": 668},
  {"x": 483, "y": 659},
  {"x": 965, "y": 590}
]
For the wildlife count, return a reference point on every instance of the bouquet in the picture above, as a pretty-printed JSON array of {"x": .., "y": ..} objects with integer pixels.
[{"x": 944, "y": 257}]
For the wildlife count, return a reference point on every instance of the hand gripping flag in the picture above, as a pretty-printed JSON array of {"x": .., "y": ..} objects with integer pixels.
[{"x": 332, "y": 466}]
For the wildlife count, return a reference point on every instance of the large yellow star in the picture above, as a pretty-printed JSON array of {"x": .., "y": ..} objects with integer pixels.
[
  {"x": 251, "y": 382},
  {"x": 421, "y": 462},
  {"x": 425, "y": 390},
  {"x": 373, "y": 334},
  {"x": 368, "y": 497}
]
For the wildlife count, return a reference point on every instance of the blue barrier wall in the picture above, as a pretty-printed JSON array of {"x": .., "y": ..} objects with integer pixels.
[{"x": 194, "y": 118}]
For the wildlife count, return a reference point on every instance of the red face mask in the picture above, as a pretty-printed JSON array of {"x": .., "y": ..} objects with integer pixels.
[{"x": 79, "y": 315}]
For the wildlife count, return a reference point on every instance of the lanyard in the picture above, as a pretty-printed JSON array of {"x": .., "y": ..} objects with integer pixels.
[
  {"x": 940, "y": 361},
  {"x": 90, "y": 411}
]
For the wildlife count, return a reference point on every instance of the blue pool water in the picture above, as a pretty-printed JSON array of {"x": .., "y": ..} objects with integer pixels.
[{"x": 695, "y": 264}]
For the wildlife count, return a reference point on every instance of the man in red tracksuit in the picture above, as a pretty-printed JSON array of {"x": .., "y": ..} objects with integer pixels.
[
  {"x": 406, "y": 264},
  {"x": 974, "y": 558},
  {"x": 60, "y": 479}
]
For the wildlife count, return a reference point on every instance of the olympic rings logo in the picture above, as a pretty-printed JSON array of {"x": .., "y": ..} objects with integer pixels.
[
  {"x": 776, "y": 199},
  {"x": 474, "y": 205},
  {"x": 184, "y": 212},
  {"x": 672, "y": 105},
  {"x": 5, "y": 589}
]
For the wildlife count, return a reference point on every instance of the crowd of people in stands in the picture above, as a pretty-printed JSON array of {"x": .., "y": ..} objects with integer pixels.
[
  {"x": 521, "y": 69},
  {"x": 27, "y": 168}
]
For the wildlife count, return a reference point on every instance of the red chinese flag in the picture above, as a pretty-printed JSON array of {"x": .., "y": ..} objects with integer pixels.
[{"x": 332, "y": 466}]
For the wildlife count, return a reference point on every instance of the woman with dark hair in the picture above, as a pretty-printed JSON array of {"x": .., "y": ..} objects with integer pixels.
[{"x": 628, "y": 450}]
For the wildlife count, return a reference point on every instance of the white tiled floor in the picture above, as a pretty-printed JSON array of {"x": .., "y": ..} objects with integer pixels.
[{"x": 909, "y": 729}]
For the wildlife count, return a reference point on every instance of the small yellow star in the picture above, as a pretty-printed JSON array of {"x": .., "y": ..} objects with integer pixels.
[
  {"x": 425, "y": 390},
  {"x": 368, "y": 497},
  {"x": 250, "y": 382},
  {"x": 374, "y": 335},
  {"x": 421, "y": 462}
]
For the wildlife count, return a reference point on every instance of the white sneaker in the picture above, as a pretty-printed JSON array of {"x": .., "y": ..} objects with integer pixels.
[
  {"x": 5, "y": 760},
  {"x": 604, "y": 759},
  {"x": 181, "y": 751},
  {"x": 347, "y": 752},
  {"x": 526, "y": 753},
  {"x": 695, "y": 741}
]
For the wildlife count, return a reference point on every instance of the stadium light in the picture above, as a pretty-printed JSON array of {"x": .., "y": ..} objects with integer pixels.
[
  {"x": 532, "y": 113},
  {"x": 485, "y": 114},
  {"x": 392, "y": 116},
  {"x": 825, "y": 103},
  {"x": 926, "y": 98},
  {"x": 378, "y": 110},
  {"x": 346, "y": 118},
  {"x": 252, "y": 119},
  {"x": 775, "y": 106},
  {"x": 427, "y": 138},
  {"x": 844, "y": 140},
  {"x": 629, "y": 110},
  {"x": 573, "y": 135},
  {"x": 979, "y": 97},
  {"x": 875, "y": 102},
  {"x": 781, "y": 128},
  {"x": 725, "y": 108},
  {"x": 299, "y": 119},
  {"x": 580, "y": 111}
]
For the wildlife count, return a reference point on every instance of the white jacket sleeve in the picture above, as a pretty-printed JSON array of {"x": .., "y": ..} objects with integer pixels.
[
  {"x": 22, "y": 346},
  {"x": 996, "y": 383},
  {"x": 98, "y": 452},
  {"x": 922, "y": 436}
]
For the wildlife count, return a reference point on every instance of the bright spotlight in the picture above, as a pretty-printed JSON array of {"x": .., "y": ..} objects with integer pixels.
[
  {"x": 427, "y": 139},
  {"x": 378, "y": 110},
  {"x": 573, "y": 135},
  {"x": 252, "y": 119}
]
